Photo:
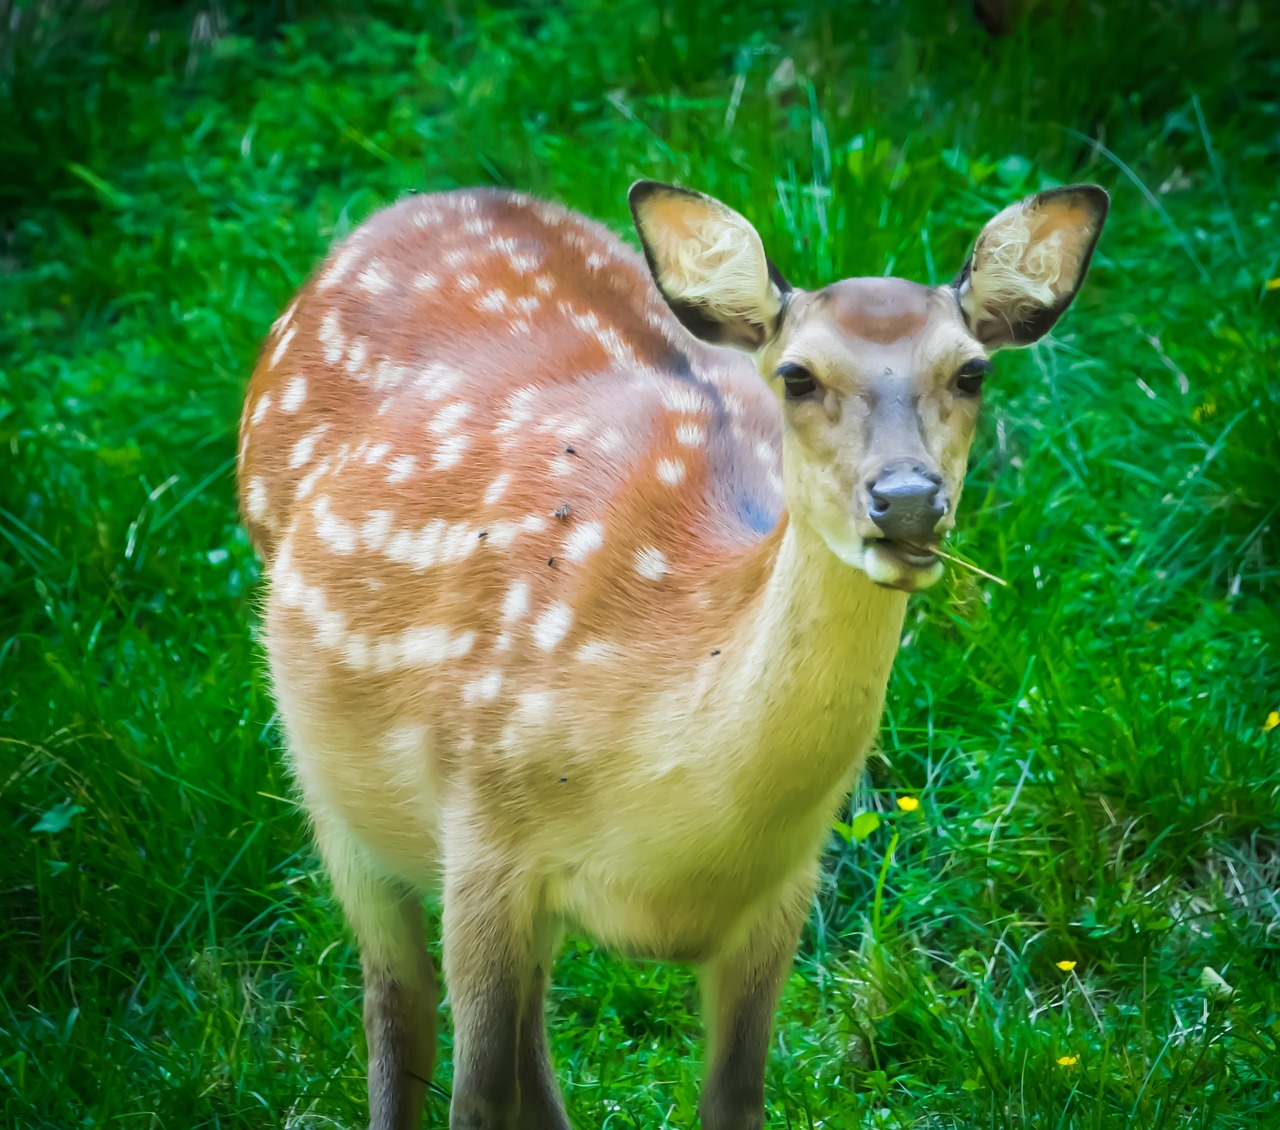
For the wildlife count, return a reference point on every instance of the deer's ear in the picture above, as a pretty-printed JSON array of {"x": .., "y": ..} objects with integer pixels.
[
  {"x": 1028, "y": 264},
  {"x": 709, "y": 264}
]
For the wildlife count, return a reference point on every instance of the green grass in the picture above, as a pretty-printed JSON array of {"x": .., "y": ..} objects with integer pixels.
[{"x": 1087, "y": 744}]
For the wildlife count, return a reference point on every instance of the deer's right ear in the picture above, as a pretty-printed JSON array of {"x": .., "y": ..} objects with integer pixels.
[{"x": 709, "y": 265}]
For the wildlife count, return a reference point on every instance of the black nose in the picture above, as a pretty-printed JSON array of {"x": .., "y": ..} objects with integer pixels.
[{"x": 907, "y": 501}]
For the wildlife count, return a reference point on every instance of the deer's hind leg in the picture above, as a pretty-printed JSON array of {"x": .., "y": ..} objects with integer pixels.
[{"x": 400, "y": 994}]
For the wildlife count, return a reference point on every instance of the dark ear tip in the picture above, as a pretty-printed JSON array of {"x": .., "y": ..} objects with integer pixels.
[
  {"x": 641, "y": 190},
  {"x": 1093, "y": 196}
]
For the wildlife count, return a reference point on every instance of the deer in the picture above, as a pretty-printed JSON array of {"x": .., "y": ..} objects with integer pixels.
[{"x": 585, "y": 573}]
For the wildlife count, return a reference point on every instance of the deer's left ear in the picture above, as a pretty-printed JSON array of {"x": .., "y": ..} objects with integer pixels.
[
  {"x": 709, "y": 264},
  {"x": 1029, "y": 263}
]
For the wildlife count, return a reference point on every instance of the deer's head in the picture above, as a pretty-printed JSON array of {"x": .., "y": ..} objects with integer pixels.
[{"x": 879, "y": 379}]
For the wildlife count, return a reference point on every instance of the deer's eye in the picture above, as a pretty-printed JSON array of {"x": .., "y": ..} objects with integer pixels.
[
  {"x": 969, "y": 378},
  {"x": 797, "y": 380}
]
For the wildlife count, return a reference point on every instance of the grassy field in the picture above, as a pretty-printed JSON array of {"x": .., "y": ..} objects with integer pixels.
[{"x": 1077, "y": 927}]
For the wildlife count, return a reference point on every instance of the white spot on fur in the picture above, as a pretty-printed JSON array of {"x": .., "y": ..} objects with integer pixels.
[
  {"x": 611, "y": 440},
  {"x": 305, "y": 448},
  {"x": 294, "y": 395},
  {"x": 436, "y": 543},
  {"x": 535, "y": 706},
  {"x": 598, "y": 651},
  {"x": 376, "y": 454},
  {"x": 493, "y": 300},
  {"x": 468, "y": 282},
  {"x": 503, "y": 533},
  {"x": 618, "y": 349},
  {"x": 260, "y": 409},
  {"x": 437, "y": 381},
  {"x": 308, "y": 482},
  {"x": 255, "y": 498},
  {"x": 585, "y": 538},
  {"x": 342, "y": 264},
  {"x": 282, "y": 345},
  {"x": 335, "y": 345},
  {"x": 402, "y": 466},
  {"x": 681, "y": 398},
  {"x": 375, "y": 278},
  {"x": 519, "y": 410},
  {"x": 651, "y": 564},
  {"x": 670, "y": 471},
  {"x": 515, "y": 605},
  {"x": 337, "y": 533},
  {"x": 449, "y": 417},
  {"x": 587, "y": 322},
  {"x": 484, "y": 689},
  {"x": 375, "y": 529},
  {"x": 281, "y": 322},
  {"x": 691, "y": 435},
  {"x": 356, "y": 357},
  {"x": 544, "y": 284},
  {"x": 388, "y": 375},
  {"x": 425, "y": 281},
  {"x": 496, "y": 489},
  {"x": 552, "y": 626},
  {"x": 450, "y": 451},
  {"x": 562, "y": 465},
  {"x": 426, "y": 647}
]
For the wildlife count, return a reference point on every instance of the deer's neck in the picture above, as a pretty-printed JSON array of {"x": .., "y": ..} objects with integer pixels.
[{"x": 802, "y": 682}]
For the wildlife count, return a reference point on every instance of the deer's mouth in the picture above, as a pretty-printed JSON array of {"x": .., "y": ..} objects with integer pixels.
[
  {"x": 910, "y": 554},
  {"x": 901, "y": 564}
]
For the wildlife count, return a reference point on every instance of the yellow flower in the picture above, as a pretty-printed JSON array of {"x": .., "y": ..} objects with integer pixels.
[
  {"x": 1273, "y": 284},
  {"x": 1065, "y": 966},
  {"x": 1068, "y": 1060},
  {"x": 1273, "y": 720},
  {"x": 908, "y": 803}
]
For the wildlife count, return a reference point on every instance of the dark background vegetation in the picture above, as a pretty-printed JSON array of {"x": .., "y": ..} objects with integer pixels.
[{"x": 1089, "y": 746}]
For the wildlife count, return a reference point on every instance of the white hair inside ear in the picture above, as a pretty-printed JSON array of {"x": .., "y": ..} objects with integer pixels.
[
  {"x": 1012, "y": 271},
  {"x": 1029, "y": 262},
  {"x": 718, "y": 262},
  {"x": 709, "y": 263}
]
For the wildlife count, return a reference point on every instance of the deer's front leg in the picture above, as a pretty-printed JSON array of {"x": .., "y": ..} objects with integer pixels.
[
  {"x": 541, "y": 1107},
  {"x": 740, "y": 993},
  {"x": 488, "y": 946}
]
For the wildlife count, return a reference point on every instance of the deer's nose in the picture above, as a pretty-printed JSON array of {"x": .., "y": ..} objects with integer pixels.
[{"x": 906, "y": 501}]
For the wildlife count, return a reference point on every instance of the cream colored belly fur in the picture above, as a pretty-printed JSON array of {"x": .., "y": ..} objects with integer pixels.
[{"x": 669, "y": 856}]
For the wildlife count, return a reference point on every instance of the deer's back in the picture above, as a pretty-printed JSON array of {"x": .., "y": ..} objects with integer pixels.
[{"x": 478, "y": 356}]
